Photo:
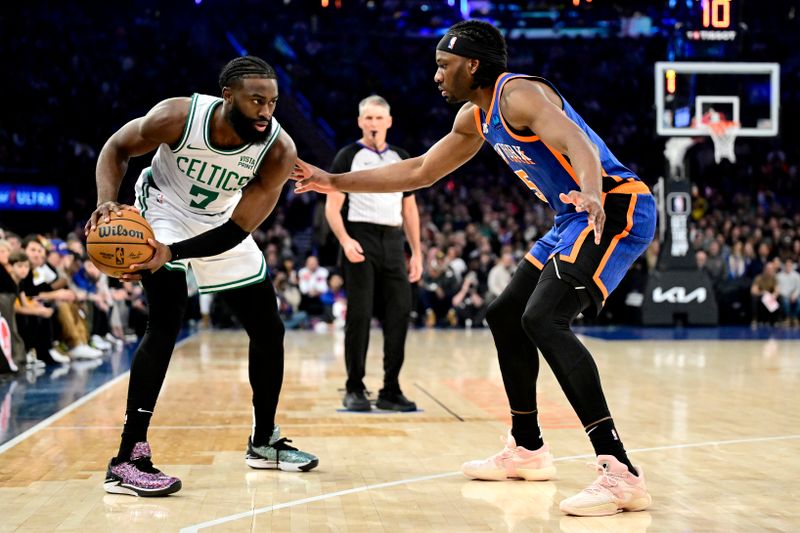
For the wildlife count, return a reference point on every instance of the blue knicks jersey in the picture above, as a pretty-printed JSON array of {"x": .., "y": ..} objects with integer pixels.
[{"x": 545, "y": 171}]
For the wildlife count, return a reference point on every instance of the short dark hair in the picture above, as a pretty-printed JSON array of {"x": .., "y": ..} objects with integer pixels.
[
  {"x": 18, "y": 257},
  {"x": 245, "y": 67},
  {"x": 32, "y": 238},
  {"x": 490, "y": 37}
]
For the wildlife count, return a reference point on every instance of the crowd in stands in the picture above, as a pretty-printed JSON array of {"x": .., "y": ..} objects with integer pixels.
[
  {"x": 58, "y": 307},
  {"x": 746, "y": 235},
  {"x": 476, "y": 224}
]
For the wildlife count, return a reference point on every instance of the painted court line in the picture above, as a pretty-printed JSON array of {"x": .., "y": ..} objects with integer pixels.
[
  {"x": 254, "y": 512},
  {"x": 71, "y": 407}
]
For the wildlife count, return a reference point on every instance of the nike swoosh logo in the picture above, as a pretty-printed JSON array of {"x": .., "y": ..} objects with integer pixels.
[
  {"x": 143, "y": 411},
  {"x": 190, "y": 147}
]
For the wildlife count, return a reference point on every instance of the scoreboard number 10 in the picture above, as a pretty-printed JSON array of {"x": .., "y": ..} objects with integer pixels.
[{"x": 716, "y": 13}]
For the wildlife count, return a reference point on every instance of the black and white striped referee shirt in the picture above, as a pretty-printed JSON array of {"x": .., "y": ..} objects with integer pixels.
[{"x": 384, "y": 208}]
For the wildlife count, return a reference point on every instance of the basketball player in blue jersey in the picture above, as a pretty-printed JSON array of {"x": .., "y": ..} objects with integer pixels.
[
  {"x": 218, "y": 171},
  {"x": 604, "y": 219}
]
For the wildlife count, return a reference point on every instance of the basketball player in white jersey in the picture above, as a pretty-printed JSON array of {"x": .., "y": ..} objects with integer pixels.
[{"x": 218, "y": 171}]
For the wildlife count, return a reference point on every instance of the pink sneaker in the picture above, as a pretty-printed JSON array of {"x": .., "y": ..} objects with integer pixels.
[
  {"x": 615, "y": 490},
  {"x": 513, "y": 462}
]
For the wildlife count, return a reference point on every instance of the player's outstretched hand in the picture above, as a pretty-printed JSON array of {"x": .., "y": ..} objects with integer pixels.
[
  {"x": 590, "y": 203},
  {"x": 162, "y": 256},
  {"x": 103, "y": 212},
  {"x": 310, "y": 178}
]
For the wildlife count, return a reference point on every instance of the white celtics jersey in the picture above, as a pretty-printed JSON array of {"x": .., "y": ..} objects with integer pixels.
[{"x": 202, "y": 178}]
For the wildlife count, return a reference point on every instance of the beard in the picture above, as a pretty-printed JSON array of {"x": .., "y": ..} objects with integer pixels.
[
  {"x": 454, "y": 100},
  {"x": 245, "y": 127}
]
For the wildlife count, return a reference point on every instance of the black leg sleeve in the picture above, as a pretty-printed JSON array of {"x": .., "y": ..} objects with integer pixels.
[
  {"x": 519, "y": 360},
  {"x": 256, "y": 308},
  {"x": 166, "y": 301},
  {"x": 552, "y": 308}
]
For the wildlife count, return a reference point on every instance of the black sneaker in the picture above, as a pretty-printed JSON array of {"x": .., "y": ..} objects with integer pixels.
[
  {"x": 356, "y": 401},
  {"x": 395, "y": 402}
]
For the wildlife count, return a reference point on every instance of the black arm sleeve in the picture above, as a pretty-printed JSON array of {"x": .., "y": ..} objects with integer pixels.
[{"x": 212, "y": 242}]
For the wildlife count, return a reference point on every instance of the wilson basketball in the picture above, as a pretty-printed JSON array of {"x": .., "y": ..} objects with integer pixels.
[{"x": 119, "y": 243}]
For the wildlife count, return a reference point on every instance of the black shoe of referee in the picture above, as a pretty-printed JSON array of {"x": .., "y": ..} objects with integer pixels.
[
  {"x": 356, "y": 401},
  {"x": 395, "y": 401}
]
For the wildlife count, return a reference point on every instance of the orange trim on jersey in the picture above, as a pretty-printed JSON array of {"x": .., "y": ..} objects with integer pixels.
[
  {"x": 576, "y": 248},
  {"x": 528, "y": 139},
  {"x": 499, "y": 90},
  {"x": 614, "y": 241},
  {"x": 630, "y": 187},
  {"x": 477, "y": 113},
  {"x": 535, "y": 262},
  {"x": 564, "y": 163},
  {"x": 494, "y": 96}
]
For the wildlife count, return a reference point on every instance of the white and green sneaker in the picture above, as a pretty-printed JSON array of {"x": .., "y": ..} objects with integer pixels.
[{"x": 279, "y": 455}]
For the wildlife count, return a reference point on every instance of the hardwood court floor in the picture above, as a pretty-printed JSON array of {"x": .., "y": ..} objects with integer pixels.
[{"x": 714, "y": 423}]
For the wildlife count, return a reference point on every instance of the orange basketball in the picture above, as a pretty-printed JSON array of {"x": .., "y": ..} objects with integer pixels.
[{"x": 119, "y": 243}]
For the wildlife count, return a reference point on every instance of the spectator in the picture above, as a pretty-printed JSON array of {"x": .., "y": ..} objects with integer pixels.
[
  {"x": 92, "y": 287},
  {"x": 765, "y": 296},
  {"x": 715, "y": 263},
  {"x": 500, "y": 276},
  {"x": 9, "y": 291},
  {"x": 468, "y": 303},
  {"x": 439, "y": 285},
  {"x": 737, "y": 264},
  {"x": 334, "y": 301},
  {"x": 788, "y": 280},
  {"x": 455, "y": 262},
  {"x": 289, "y": 298},
  {"x": 313, "y": 282},
  {"x": 41, "y": 284},
  {"x": 34, "y": 320}
]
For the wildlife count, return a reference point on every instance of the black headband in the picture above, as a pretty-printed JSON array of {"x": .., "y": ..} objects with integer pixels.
[{"x": 464, "y": 47}]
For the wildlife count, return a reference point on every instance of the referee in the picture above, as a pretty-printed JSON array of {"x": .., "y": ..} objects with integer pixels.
[{"x": 369, "y": 227}]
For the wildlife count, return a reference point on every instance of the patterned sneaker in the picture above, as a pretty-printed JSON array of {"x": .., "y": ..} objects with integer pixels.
[
  {"x": 279, "y": 455},
  {"x": 513, "y": 462},
  {"x": 137, "y": 476},
  {"x": 615, "y": 490}
]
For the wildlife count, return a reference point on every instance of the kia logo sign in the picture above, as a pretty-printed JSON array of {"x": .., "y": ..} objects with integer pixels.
[
  {"x": 678, "y": 295},
  {"x": 678, "y": 203}
]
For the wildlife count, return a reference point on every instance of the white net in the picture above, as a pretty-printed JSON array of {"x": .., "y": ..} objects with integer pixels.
[{"x": 723, "y": 133}]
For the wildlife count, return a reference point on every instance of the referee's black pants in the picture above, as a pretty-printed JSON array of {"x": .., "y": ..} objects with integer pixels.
[{"x": 380, "y": 279}]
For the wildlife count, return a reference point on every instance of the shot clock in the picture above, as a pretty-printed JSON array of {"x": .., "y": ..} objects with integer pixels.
[{"x": 713, "y": 20}]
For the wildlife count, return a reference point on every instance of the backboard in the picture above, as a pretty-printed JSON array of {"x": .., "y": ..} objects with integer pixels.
[{"x": 688, "y": 93}]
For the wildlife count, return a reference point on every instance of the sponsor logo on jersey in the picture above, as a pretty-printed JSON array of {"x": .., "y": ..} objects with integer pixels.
[
  {"x": 190, "y": 147},
  {"x": 247, "y": 162}
]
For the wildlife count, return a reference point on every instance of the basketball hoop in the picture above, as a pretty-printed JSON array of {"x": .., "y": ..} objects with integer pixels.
[{"x": 723, "y": 133}]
